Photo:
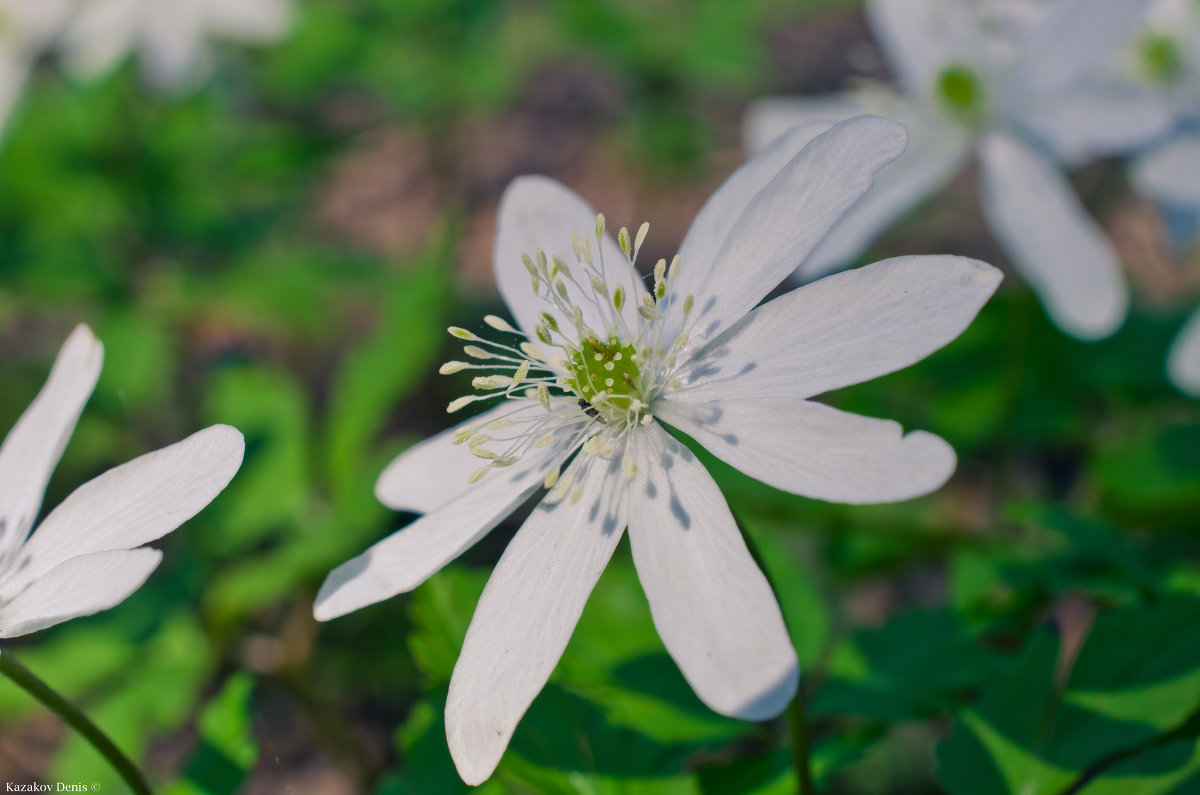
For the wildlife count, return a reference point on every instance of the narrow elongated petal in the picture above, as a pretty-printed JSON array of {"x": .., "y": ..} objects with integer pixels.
[
  {"x": 811, "y": 449},
  {"x": 431, "y": 473},
  {"x": 1183, "y": 361},
  {"x": 921, "y": 37},
  {"x": 767, "y": 120},
  {"x": 1171, "y": 173},
  {"x": 132, "y": 504},
  {"x": 724, "y": 209},
  {"x": 846, "y": 328},
  {"x": 1071, "y": 44},
  {"x": 527, "y": 613},
  {"x": 1052, "y": 240},
  {"x": 712, "y": 606},
  {"x": 80, "y": 586},
  {"x": 1098, "y": 122},
  {"x": 35, "y": 444},
  {"x": 787, "y": 218},
  {"x": 408, "y": 557},
  {"x": 539, "y": 213},
  {"x": 935, "y": 154}
]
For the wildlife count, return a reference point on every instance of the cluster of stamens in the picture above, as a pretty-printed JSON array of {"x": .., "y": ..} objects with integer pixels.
[{"x": 593, "y": 385}]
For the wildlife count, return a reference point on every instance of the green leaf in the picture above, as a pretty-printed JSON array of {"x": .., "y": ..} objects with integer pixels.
[
  {"x": 226, "y": 749},
  {"x": 1127, "y": 717}
]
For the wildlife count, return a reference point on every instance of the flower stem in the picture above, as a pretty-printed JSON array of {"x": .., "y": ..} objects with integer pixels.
[
  {"x": 73, "y": 717},
  {"x": 798, "y": 727}
]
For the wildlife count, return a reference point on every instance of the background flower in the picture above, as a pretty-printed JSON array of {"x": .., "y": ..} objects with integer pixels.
[
  {"x": 1009, "y": 81},
  {"x": 88, "y": 554}
]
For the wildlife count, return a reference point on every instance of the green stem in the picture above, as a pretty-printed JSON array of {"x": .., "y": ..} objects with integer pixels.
[
  {"x": 71, "y": 715},
  {"x": 797, "y": 720},
  {"x": 798, "y": 727}
]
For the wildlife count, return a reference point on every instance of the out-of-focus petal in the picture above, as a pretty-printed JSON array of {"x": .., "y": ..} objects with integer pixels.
[
  {"x": 921, "y": 37},
  {"x": 527, "y": 613},
  {"x": 35, "y": 444},
  {"x": 846, "y": 328},
  {"x": 766, "y": 121},
  {"x": 1097, "y": 122},
  {"x": 1183, "y": 361},
  {"x": 811, "y": 449},
  {"x": 76, "y": 587},
  {"x": 1059, "y": 249},
  {"x": 1073, "y": 41},
  {"x": 712, "y": 605},
  {"x": 1171, "y": 173}
]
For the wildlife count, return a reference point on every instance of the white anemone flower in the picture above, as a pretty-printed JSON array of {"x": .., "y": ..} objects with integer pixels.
[
  {"x": 172, "y": 36},
  {"x": 88, "y": 554},
  {"x": 595, "y": 367},
  {"x": 26, "y": 28},
  {"x": 1163, "y": 61},
  {"x": 1012, "y": 83}
]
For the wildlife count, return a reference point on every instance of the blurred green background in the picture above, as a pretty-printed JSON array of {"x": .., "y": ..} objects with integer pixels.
[{"x": 282, "y": 250}]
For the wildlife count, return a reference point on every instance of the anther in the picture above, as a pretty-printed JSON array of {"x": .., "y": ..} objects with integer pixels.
[{"x": 500, "y": 324}]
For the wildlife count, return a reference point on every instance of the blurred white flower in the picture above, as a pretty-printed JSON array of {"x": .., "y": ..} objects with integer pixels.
[
  {"x": 1013, "y": 82},
  {"x": 26, "y": 28},
  {"x": 599, "y": 361},
  {"x": 1163, "y": 62},
  {"x": 87, "y": 555},
  {"x": 172, "y": 37}
]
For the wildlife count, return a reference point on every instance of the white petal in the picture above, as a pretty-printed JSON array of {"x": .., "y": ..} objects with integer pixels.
[
  {"x": 539, "y": 213},
  {"x": 935, "y": 154},
  {"x": 1072, "y": 42},
  {"x": 527, "y": 613},
  {"x": 811, "y": 449},
  {"x": 712, "y": 605},
  {"x": 1171, "y": 173},
  {"x": 431, "y": 473},
  {"x": 785, "y": 220},
  {"x": 766, "y": 120},
  {"x": 408, "y": 557},
  {"x": 36, "y": 442},
  {"x": 1183, "y": 361},
  {"x": 844, "y": 329},
  {"x": 920, "y": 37},
  {"x": 132, "y": 504},
  {"x": 1052, "y": 240},
  {"x": 76, "y": 587},
  {"x": 249, "y": 20},
  {"x": 1098, "y": 122}
]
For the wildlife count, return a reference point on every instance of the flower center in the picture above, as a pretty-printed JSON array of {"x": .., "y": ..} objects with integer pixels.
[
  {"x": 960, "y": 92},
  {"x": 1160, "y": 58},
  {"x": 593, "y": 384},
  {"x": 606, "y": 372}
]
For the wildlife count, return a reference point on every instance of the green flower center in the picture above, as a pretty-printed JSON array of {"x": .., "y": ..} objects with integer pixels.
[
  {"x": 1161, "y": 59},
  {"x": 960, "y": 91},
  {"x": 605, "y": 374}
]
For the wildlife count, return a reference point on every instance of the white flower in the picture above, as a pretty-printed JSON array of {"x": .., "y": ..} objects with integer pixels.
[
  {"x": 1012, "y": 82},
  {"x": 599, "y": 361},
  {"x": 172, "y": 36},
  {"x": 1163, "y": 62},
  {"x": 87, "y": 555}
]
